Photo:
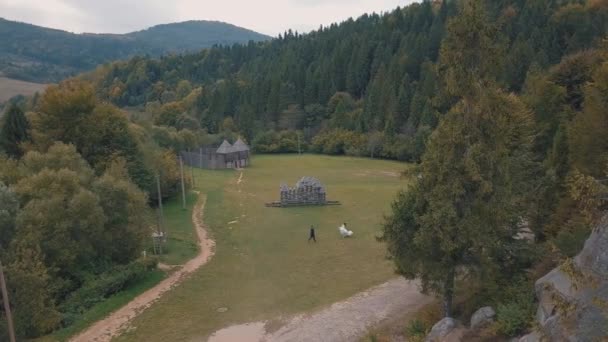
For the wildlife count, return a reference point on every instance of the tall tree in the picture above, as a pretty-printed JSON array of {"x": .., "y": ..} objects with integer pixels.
[
  {"x": 14, "y": 131},
  {"x": 587, "y": 135},
  {"x": 471, "y": 194}
]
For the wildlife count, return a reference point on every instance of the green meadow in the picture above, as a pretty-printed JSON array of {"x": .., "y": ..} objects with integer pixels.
[{"x": 263, "y": 267}]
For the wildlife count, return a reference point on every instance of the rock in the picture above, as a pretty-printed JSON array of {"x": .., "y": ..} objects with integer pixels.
[
  {"x": 532, "y": 337},
  {"x": 482, "y": 317},
  {"x": 456, "y": 335},
  {"x": 572, "y": 298},
  {"x": 442, "y": 329},
  {"x": 222, "y": 310}
]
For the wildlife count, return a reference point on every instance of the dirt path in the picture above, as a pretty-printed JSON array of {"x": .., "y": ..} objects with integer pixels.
[
  {"x": 117, "y": 321},
  {"x": 348, "y": 320}
]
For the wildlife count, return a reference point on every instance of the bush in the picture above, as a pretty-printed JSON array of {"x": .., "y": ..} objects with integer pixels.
[
  {"x": 571, "y": 239},
  {"x": 516, "y": 310},
  {"x": 102, "y": 286},
  {"x": 513, "y": 318},
  {"x": 278, "y": 142},
  {"x": 339, "y": 141},
  {"x": 416, "y": 328}
]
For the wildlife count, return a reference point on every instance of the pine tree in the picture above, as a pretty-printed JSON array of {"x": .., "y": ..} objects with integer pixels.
[
  {"x": 14, "y": 131},
  {"x": 587, "y": 135},
  {"x": 474, "y": 179}
]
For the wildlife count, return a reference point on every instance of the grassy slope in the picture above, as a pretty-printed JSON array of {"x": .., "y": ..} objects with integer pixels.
[
  {"x": 264, "y": 267},
  {"x": 10, "y": 87}
]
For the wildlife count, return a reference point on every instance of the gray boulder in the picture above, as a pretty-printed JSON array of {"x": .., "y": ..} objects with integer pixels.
[
  {"x": 482, "y": 317},
  {"x": 442, "y": 329},
  {"x": 571, "y": 296},
  {"x": 532, "y": 337}
]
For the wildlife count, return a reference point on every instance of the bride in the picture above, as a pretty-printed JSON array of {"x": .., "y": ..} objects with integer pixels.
[{"x": 345, "y": 232}]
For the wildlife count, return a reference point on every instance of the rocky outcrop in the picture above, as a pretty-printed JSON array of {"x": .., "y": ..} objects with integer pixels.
[
  {"x": 442, "y": 329},
  {"x": 573, "y": 298},
  {"x": 482, "y": 317}
]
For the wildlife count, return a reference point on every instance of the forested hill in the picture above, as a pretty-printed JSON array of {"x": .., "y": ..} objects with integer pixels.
[
  {"x": 40, "y": 54},
  {"x": 377, "y": 74},
  {"x": 503, "y": 103}
]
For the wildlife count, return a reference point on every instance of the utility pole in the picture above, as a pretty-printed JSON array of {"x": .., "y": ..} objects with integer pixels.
[
  {"x": 192, "y": 176},
  {"x": 299, "y": 149},
  {"x": 191, "y": 163},
  {"x": 160, "y": 204},
  {"x": 7, "y": 306},
  {"x": 181, "y": 171},
  {"x": 161, "y": 233}
]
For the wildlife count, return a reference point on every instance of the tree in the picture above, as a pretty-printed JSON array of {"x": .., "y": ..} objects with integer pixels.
[
  {"x": 463, "y": 211},
  {"x": 62, "y": 226},
  {"x": 587, "y": 135},
  {"x": 125, "y": 208},
  {"x": 547, "y": 101},
  {"x": 29, "y": 283},
  {"x": 470, "y": 55},
  {"x": 9, "y": 205},
  {"x": 14, "y": 131},
  {"x": 61, "y": 113}
]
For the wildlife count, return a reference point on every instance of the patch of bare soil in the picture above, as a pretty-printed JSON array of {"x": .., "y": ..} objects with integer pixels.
[
  {"x": 348, "y": 320},
  {"x": 118, "y": 321}
]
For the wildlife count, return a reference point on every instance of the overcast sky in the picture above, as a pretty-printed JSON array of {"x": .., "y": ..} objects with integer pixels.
[{"x": 120, "y": 16}]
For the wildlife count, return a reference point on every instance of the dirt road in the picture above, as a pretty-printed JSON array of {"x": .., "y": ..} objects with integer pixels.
[
  {"x": 348, "y": 320},
  {"x": 112, "y": 325}
]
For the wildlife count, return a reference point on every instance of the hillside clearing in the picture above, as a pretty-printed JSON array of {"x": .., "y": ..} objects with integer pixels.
[
  {"x": 263, "y": 267},
  {"x": 10, "y": 87}
]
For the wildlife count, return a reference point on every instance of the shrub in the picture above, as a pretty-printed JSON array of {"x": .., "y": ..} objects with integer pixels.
[
  {"x": 570, "y": 240},
  {"x": 339, "y": 141},
  {"x": 281, "y": 142},
  {"x": 513, "y": 318},
  {"x": 102, "y": 286},
  {"x": 416, "y": 328},
  {"x": 515, "y": 311}
]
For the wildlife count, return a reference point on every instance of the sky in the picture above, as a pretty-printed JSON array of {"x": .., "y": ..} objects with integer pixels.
[{"x": 270, "y": 17}]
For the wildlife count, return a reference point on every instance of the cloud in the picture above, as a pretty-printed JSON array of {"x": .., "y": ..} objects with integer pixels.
[{"x": 119, "y": 16}]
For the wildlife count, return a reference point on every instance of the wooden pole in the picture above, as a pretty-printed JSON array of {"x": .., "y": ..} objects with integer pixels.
[
  {"x": 160, "y": 203},
  {"x": 161, "y": 230},
  {"x": 181, "y": 171},
  {"x": 7, "y": 306},
  {"x": 192, "y": 176},
  {"x": 299, "y": 149},
  {"x": 191, "y": 162}
]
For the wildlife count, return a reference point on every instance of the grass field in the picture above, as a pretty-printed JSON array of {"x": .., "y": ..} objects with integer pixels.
[
  {"x": 181, "y": 244},
  {"x": 10, "y": 87},
  {"x": 263, "y": 267}
]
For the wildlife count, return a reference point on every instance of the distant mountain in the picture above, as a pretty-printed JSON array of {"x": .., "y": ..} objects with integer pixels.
[{"x": 40, "y": 54}]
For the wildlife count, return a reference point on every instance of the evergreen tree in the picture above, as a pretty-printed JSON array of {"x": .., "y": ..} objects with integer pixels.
[
  {"x": 587, "y": 135},
  {"x": 14, "y": 131},
  {"x": 474, "y": 176}
]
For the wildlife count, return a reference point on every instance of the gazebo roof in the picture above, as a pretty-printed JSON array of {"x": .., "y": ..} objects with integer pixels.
[
  {"x": 225, "y": 148},
  {"x": 240, "y": 146}
]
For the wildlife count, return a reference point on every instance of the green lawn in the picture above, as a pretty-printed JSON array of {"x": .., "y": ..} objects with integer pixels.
[
  {"x": 181, "y": 245},
  {"x": 263, "y": 267}
]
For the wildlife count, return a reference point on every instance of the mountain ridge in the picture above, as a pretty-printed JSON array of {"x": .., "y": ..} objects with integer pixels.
[{"x": 35, "y": 53}]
